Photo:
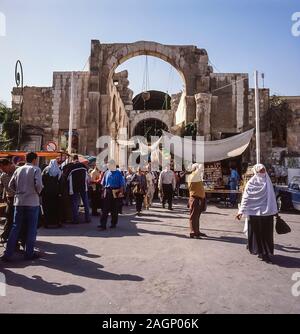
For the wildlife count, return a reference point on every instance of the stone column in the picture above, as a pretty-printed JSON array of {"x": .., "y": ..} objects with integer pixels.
[
  {"x": 104, "y": 120},
  {"x": 203, "y": 112},
  {"x": 190, "y": 109},
  {"x": 92, "y": 122}
]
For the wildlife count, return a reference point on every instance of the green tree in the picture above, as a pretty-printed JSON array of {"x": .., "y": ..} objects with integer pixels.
[
  {"x": 190, "y": 129},
  {"x": 10, "y": 128},
  {"x": 276, "y": 118}
]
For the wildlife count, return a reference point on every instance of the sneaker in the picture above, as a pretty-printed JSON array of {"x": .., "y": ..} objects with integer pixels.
[{"x": 203, "y": 235}]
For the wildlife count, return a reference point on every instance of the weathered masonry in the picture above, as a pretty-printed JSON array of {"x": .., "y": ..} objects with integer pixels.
[{"x": 221, "y": 104}]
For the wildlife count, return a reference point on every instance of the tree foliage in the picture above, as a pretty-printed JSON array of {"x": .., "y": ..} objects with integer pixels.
[
  {"x": 190, "y": 129},
  {"x": 10, "y": 128}
]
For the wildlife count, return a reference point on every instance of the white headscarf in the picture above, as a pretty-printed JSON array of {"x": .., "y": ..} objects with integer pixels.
[
  {"x": 53, "y": 168},
  {"x": 259, "y": 197},
  {"x": 197, "y": 173}
]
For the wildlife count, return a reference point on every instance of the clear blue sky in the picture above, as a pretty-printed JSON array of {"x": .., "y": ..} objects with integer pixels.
[{"x": 239, "y": 35}]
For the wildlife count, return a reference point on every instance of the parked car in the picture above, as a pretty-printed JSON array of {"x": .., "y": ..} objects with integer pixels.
[{"x": 288, "y": 197}]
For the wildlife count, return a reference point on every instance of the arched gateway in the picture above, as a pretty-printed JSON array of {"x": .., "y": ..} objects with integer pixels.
[
  {"x": 106, "y": 88},
  {"x": 220, "y": 104}
]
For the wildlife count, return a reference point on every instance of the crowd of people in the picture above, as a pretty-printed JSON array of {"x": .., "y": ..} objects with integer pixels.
[{"x": 53, "y": 196}]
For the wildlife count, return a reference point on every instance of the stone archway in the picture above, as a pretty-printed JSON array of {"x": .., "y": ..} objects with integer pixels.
[
  {"x": 166, "y": 118},
  {"x": 190, "y": 61},
  {"x": 150, "y": 127}
]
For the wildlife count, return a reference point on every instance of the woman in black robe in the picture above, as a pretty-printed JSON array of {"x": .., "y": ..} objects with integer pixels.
[
  {"x": 259, "y": 206},
  {"x": 51, "y": 194}
]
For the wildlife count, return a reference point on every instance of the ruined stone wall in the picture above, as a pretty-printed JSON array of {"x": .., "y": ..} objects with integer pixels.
[
  {"x": 293, "y": 127},
  {"x": 230, "y": 114},
  {"x": 37, "y": 110},
  {"x": 61, "y": 105}
]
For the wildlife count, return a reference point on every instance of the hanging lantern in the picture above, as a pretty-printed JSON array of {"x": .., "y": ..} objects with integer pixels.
[{"x": 146, "y": 96}]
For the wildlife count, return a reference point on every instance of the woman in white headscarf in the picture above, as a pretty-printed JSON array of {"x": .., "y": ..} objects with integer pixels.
[
  {"x": 259, "y": 206},
  {"x": 51, "y": 193}
]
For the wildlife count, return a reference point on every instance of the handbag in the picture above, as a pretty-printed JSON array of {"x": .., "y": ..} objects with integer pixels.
[{"x": 281, "y": 226}]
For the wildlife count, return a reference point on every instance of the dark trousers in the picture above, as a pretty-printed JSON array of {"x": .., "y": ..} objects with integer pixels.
[
  {"x": 195, "y": 205},
  {"x": 110, "y": 205},
  {"x": 128, "y": 195},
  {"x": 75, "y": 198},
  {"x": 139, "y": 199},
  {"x": 95, "y": 200},
  {"x": 167, "y": 190}
]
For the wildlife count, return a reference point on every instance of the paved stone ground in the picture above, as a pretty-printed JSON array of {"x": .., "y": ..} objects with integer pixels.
[{"x": 148, "y": 265}]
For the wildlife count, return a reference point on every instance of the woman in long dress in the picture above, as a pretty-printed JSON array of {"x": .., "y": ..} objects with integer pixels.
[
  {"x": 150, "y": 189},
  {"x": 259, "y": 206},
  {"x": 139, "y": 184},
  {"x": 51, "y": 194}
]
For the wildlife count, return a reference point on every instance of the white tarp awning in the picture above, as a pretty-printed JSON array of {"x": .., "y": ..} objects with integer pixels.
[
  {"x": 215, "y": 150},
  {"x": 206, "y": 151}
]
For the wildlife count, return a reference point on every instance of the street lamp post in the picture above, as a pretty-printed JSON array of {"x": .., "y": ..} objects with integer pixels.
[{"x": 19, "y": 83}]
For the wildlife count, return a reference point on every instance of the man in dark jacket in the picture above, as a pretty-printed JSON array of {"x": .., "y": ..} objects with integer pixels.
[{"x": 78, "y": 179}]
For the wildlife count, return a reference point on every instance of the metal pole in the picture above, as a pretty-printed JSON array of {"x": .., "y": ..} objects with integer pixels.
[
  {"x": 71, "y": 115},
  {"x": 257, "y": 117},
  {"x": 19, "y": 82}
]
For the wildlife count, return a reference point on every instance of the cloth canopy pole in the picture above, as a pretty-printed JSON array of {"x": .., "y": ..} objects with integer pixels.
[{"x": 257, "y": 125}]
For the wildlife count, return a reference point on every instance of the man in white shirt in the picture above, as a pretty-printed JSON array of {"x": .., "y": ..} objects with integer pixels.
[{"x": 167, "y": 185}]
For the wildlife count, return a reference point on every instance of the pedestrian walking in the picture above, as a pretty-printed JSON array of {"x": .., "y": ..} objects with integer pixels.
[
  {"x": 167, "y": 185},
  {"x": 196, "y": 200},
  {"x": 128, "y": 180},
  {"x": 51, "y": 194},
  {"x": 150, "y": 179},
  {"x": 233, "y": 185},
  {"x": 139, "y": 184},
  {"x": 113, "y": 187},
  {"x": 259, "y": 206},
  {"x": 95, "y": 190},
  {"x": 8, "y": 194},
  {"x": 26, "y": 182},
  {"x": 78, "y": 180}
]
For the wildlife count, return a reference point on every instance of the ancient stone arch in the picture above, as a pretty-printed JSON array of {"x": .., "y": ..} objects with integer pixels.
[
  {"x": 165, "y": 117},
  {"x": 190, "y": 61}
]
